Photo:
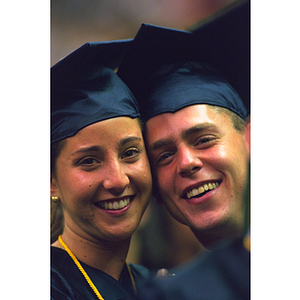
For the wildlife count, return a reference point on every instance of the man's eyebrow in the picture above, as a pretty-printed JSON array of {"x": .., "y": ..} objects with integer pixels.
[
  {"x": 198, "y": 128},
  {"x": 187, "y": 133},
  {"x": 160, "y": 143},
  {"x": 129, "y": 139}
]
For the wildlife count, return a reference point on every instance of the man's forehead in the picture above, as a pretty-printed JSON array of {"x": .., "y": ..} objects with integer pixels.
[
  {"x": 168, "y": 127},
  {"x": 198, "y": 113},
  {"x": 160, "y": 140}
]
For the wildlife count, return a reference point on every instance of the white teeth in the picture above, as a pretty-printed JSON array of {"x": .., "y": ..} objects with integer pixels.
[
  {"x": 121, "y": 204},
  {"x": 115, "y": 205},
  {"x": 202, "y": 189}
]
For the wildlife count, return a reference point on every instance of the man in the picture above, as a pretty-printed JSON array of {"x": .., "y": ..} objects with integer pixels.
[
  {"x": 198, "y": 139},
  {"x": 196, "y": 128}
]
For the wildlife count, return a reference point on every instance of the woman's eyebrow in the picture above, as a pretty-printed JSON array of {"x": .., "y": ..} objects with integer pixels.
[
  {"x": 98, "y": 148},
  {"x": 88, "y": 149},
  {"x": 129, "y": 139}
]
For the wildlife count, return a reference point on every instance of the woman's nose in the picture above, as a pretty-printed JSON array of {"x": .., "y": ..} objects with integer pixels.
[
  {"x": 116, "y": 179},
  {"x": 188, "y": 162}
]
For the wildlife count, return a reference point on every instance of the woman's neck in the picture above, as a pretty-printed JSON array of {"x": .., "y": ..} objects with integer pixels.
[{"x": 108, "y": 257}]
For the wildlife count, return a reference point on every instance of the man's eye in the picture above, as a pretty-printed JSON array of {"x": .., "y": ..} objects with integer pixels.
[
  {"x": 163, "y": 157},
  {"x": 205, "y": 141}
]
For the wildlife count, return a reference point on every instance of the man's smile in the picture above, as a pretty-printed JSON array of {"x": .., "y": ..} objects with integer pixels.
[{"x": 201, "y": 190}]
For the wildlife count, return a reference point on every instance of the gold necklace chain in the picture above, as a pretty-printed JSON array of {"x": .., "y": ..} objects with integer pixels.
[{"x": 86, "y": 276}]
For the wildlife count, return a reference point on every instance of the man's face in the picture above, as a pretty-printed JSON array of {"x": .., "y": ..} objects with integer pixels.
[{"x": 199, "y": 162}]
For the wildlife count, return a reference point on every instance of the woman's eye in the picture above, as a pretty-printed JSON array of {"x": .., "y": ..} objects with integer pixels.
[
  {"x": 131, "y": 153},
  {"x": 88, "y": 161}
]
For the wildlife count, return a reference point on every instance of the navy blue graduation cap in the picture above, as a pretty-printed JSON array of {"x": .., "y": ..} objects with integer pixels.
[
  {"x": 224, "y": 42},
  {"x": 168, "y": 69},
  {"x": 85, "y": 89}
]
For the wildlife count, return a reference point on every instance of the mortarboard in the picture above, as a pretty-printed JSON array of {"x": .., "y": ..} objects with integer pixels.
[
  {"x": 85, "y": 89},
  {"x": 224, "y": 42},
  {"x": 166, "y": 69}
]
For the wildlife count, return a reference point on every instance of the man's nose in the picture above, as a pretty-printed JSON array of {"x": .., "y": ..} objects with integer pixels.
[
  {"x": 116, "y": 179},
  {"x": 188, "y": 161}
]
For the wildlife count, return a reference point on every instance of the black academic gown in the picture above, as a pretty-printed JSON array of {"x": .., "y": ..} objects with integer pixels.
[
  {"x": 68, "y": 283},
  {"x": 222, "y": 274}
]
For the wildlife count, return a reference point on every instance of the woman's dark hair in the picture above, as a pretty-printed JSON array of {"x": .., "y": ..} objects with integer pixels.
[{"x": 57, "y": 217}]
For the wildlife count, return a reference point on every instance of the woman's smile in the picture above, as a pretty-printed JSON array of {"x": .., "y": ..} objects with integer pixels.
[{"x": 115, "y": 204}]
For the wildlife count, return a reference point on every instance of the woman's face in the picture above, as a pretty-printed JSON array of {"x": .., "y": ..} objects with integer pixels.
[{"x": 103, "y": 180}]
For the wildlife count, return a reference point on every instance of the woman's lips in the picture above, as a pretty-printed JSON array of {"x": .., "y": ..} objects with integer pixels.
[{"x": 115, "y": 204}]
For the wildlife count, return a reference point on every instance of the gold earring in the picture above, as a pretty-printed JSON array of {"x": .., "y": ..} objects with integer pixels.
[{"x": 55, "y": 199}]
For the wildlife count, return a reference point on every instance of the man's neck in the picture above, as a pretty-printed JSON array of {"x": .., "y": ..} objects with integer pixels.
[{"x": 209, "y": 240}]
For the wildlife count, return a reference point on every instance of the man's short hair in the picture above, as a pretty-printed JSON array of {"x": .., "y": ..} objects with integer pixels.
[{"x": 237, "y": 122}]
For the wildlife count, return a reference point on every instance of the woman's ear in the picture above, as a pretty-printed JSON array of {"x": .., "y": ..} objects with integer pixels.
[
  {"x": 247, "y": 135},
  {"x": 53, "y": 187}
]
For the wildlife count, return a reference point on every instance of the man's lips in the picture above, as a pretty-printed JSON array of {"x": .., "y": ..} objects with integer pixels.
[
  {"x": 114, "y": 204},
  {"x": 200, "y": 190}
]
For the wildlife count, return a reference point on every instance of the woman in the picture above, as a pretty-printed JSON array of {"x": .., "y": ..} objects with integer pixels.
[{"x": 100, "y": 178}]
